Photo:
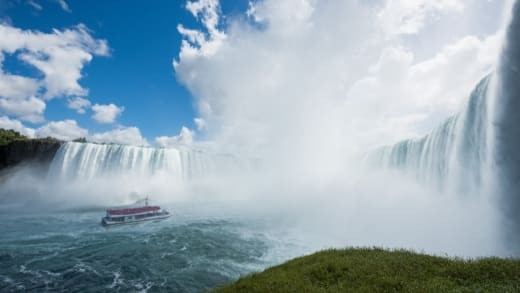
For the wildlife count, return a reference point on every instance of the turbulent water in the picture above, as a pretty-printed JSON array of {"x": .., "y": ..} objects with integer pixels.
[
  {"x": 51, "y": 237},
  {"x": 47, "y": 247},
  {"x": 190, "y": 252}
]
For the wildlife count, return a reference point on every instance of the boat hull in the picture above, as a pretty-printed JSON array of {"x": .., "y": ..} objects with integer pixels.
[{"x": 107, "y": 222}]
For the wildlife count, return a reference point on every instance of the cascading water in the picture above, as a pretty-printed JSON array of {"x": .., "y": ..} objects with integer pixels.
[
  {"x": 506, "y": 126},
  {"x": 477, "y": 150},
  {"x": 87, "y": 161},
  {"x": 454, "y": 154}
]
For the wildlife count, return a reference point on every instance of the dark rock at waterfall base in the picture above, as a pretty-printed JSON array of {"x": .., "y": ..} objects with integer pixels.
[{"x": 38, "y": 151}]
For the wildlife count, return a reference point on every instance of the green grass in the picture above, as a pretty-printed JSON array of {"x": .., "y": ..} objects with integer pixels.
[{"x": 378, "y": 270}]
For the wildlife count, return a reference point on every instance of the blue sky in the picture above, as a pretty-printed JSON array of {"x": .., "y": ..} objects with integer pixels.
[
  {"x": 250, "y": 74},
  {"x": 138, "y": 73}
]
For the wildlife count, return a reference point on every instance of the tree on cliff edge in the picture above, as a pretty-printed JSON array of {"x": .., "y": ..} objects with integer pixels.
[{"x": 8, "y": 135}]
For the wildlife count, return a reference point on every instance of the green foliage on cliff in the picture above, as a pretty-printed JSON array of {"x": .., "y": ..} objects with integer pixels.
[
  {"x": 81, "y": 139},
  {"x": 8, "y": 135},
  {"x": 378, "y": 270}
]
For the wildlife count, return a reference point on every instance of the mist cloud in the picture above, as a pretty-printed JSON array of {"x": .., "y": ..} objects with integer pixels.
[
  {"x": 299, "y": 73},
  {"x": 309, "y": 86}
]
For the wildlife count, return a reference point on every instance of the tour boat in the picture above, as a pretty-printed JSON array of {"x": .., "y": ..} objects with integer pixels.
[{"x": 128, "y": 215}]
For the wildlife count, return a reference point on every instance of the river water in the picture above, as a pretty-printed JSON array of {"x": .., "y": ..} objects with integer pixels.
[{"x": 189, "y": 252}]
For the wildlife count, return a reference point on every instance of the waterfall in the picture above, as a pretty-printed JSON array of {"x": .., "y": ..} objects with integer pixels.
[
  {"x": 478, "y": 150},
  {"x": 506, "y": 127},
  {"x": 454, "y": 154},
  {"x": 86, "y": 161}
]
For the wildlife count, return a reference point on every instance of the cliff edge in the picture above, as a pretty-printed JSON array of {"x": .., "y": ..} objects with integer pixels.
[{"x": 19, "y": 149}]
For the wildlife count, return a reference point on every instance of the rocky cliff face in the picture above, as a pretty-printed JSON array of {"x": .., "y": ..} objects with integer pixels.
[{"x": 40, "y": 151}]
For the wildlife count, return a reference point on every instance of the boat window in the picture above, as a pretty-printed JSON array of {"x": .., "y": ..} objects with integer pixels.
[{"x": 138, "y": 217}]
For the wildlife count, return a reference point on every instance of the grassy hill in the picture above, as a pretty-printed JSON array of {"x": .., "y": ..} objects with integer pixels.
[{"x": 378, "y": 270}]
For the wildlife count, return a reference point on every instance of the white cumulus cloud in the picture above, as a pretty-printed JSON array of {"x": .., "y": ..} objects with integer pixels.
[
  {"x": 123, "y": 135},
  {"x": 185, "y": 138},
  {"x": 79, "y": 104},
  {"x": 17, "y": 87},
  {"x": 59, "y": 55},
  {"x": 106, "y": 113},
  {"x": 64, "y": 130},
  {"x": 16, "y": 125},
  {"x": 198, "y": 42},
  {"x": 30, "y": 109}
]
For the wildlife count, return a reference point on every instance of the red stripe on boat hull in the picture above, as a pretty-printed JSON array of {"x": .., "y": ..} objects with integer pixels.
[{"x": 130, "y": 211}]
